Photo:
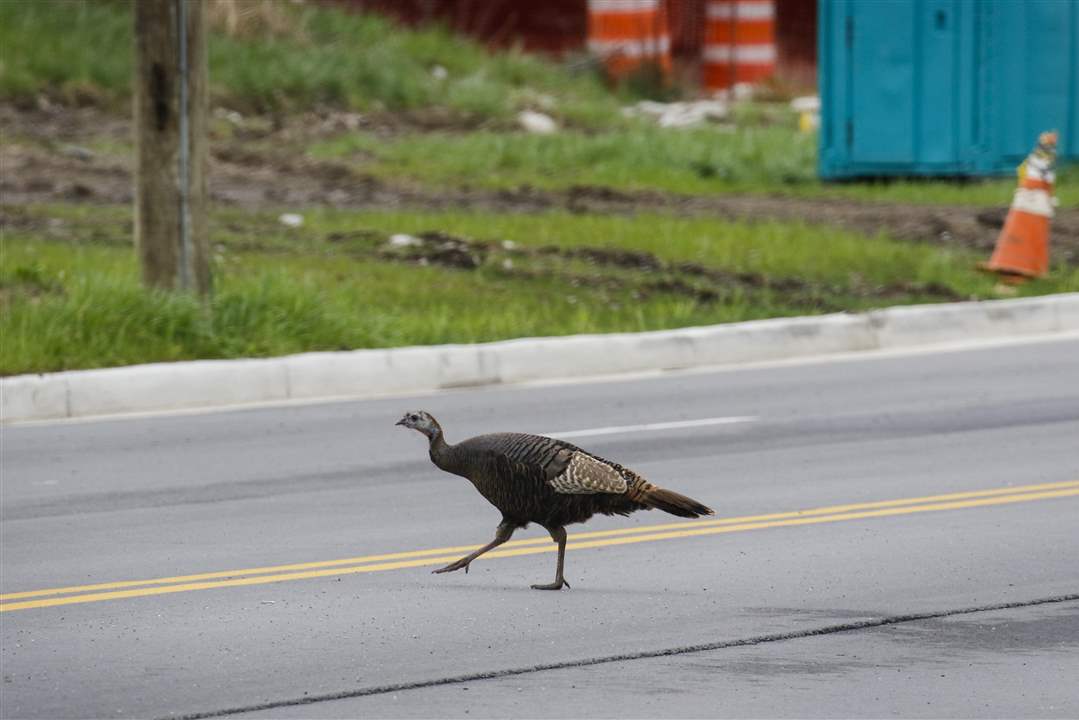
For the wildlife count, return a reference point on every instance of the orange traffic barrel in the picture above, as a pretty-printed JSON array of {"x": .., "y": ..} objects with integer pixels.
[
  {"x": 626, "y": 34},
  {"x": 739, "y": 42},
  {"x": 1022, "y": 249}
]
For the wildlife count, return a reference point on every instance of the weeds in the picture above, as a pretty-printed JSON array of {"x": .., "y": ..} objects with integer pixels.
[
  {"x": 283, "y": 57},
  {"x": 70, "y": 297},
  {"x": 700, "y": 161}
]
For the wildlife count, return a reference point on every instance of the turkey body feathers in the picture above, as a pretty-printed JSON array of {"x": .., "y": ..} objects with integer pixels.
[{"x": 533, "y": 478}]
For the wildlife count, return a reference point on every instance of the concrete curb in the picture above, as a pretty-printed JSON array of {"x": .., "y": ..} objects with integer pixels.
[{"x": 366, "y": 373}]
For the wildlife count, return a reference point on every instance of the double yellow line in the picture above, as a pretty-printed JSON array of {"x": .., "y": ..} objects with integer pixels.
[{"x": 52, "y": 597}]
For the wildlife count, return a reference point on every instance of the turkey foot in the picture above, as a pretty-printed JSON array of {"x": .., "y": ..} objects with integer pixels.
[
  {"x": 558, "y": 534},
  {"x": 457, "y": 565},
  {"x": 503, "y": 532}
]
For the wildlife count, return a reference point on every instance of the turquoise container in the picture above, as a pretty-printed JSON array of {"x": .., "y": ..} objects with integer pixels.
[{"x": 944, "y": 87}]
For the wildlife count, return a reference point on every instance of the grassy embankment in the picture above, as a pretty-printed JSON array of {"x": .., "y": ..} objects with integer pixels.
[
  {"x": 69, "y": 294},
  {"x": 285, "y": 58}
]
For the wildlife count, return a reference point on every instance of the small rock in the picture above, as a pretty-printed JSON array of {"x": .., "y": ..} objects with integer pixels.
[
  {"x": 77, "y": 151},
  {"x": 535, "y": 122},
  {"x": 439, "y": 73},
  {"x": 508, "y": 245},
  {"x": 352, "y": 121},
  {"x": 292, "y": 220},
  {"x": 231, "y": 116},
  {"x": 402, "y": 240}
]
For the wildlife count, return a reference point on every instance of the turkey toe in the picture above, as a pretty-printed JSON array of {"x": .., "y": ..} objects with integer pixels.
[
  {"x": 557, "y": 585},
  {"x": 451, "y": 567}
]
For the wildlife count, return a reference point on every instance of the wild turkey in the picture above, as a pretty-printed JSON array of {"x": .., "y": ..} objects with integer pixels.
[{"x": 532, "y": 478}]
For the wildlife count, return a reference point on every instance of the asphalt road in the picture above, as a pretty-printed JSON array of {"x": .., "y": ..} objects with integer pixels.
[{"x": 836, "y": 580}]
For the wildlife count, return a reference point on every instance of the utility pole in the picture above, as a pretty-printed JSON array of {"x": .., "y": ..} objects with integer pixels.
[{"x": 170, "y": 136}]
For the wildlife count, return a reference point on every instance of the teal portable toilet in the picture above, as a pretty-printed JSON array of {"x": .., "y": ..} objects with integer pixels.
[{"x": 944, "y": 87}]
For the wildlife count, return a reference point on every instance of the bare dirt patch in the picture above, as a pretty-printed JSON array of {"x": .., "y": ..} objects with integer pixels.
[
  {"x": 46, "y": 163},
  {"x": 640, "y": 273}
]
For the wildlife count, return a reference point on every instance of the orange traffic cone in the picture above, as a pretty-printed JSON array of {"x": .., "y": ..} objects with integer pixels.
[
  {"x": 1022, "y": 249},
  {"x": 628, "y": 35}
]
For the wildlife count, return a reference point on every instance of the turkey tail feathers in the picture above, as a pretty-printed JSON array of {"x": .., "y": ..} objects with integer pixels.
[{"x": 674, "y": 503}]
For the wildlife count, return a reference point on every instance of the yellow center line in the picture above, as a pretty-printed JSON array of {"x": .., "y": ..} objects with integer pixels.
[
  {"x": 640, "y": 529},
  {"x": 436, "y": 556}
]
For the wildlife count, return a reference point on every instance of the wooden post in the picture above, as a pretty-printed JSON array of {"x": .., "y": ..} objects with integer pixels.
[{"x": 170, "y": 138}]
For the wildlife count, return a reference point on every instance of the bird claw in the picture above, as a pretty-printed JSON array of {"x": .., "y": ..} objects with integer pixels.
[
  {"x": 453, "y": 566},
  {"x": 556, "y": 585}
]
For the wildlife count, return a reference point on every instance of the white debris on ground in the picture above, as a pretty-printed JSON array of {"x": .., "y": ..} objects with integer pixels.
[
  {"x": 680, "y": 114},
  {"x": 291, "y": 220},
  {"x": 231, "y": 116},
  {"x": 403, "y": 240},
  {"x": 806, "y": 103},
  {"x": 350, "y": 120},
  {"x": 78, "y": 152},
  {"x": 808, "y": 109},
  {"x": 536, "y": 122},
  {"x": 717, "y": 109},
  {"x": 740, "y": 92},
  {"x": 439, "y": 73}
]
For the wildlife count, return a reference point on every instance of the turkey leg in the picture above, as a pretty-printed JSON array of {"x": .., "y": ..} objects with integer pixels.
[
  {"x": 559, "y": 536},
  {"x": 503, "y": 533}
]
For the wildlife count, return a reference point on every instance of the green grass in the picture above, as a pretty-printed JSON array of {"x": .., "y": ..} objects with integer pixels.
[
  {"x": 82, "y": 51},
  {"x": 774, "y": 159},
  {"x": 70, "y": 298},
  {"x": 96, "y": 315},
  {"x": 636, "y": 158}
]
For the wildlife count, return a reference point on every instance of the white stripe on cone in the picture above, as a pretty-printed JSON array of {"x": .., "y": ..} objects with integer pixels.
[
  {"x": 740, "y": 10},
  {"x": 1040, "y": 169},
  {"x": 1035, "y": 202},
  {"x": 749, "y": 54},
  {"x": 630, "y": 48},
  {"x": 622, "y": 6}
]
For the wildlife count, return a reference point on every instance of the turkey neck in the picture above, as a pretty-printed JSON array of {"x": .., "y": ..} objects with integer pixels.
[{"x": 444, "y": 455}]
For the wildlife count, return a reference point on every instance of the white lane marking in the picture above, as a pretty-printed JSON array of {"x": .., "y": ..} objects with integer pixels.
[{"x": 674, "y": 425}]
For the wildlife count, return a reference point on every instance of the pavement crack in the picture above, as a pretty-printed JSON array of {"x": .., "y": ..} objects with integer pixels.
[{"x": 625, "y": 657}]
